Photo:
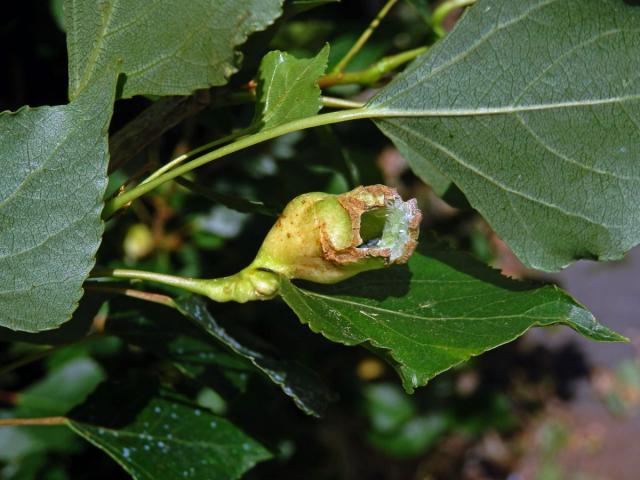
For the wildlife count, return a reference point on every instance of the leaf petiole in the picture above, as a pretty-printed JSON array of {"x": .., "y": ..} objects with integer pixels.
[
  {"x": 246, "y": 285},
  {"x": 130, "y": 292}
]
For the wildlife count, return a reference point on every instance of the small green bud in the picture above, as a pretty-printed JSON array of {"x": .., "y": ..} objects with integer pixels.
[
  {"x": 328, "y": 238},
  {"x": 138, "y": 242}
]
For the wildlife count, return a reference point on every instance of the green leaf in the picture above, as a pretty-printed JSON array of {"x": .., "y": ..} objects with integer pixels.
[
  {"x": 287, "y": 88},
  {"x": 163, "y": 47},
  {"x": 73, "y": 330},
  {"x": 306, "y": 390},
  {"x": 54, "y": 164},
  {"x": 439, "y": 311},
  {"x": 387, "y": 407},
  {"x": 423, "y": 168},
  {"x": 165, "y": 333},
  {"x": 414, "y": 438},
  {"x": 533, "y": 109},
  {"x": 155, "y": 434}
]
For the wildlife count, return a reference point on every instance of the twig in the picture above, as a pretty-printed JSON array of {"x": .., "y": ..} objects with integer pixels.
[
  {"x": 44, "y": 421},
  {"x": 141, "y": 172},
  {"x": 372, "y": 74},
  {"x": 342, "y": 64}
]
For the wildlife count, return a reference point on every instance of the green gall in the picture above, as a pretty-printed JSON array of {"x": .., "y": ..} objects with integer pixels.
[
  {"x": 328, "y": 238},
  {"x": 319, "y": 237}
]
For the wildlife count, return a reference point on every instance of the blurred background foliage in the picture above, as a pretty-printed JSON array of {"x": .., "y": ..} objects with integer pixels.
[{"x": 475, "y": 422}]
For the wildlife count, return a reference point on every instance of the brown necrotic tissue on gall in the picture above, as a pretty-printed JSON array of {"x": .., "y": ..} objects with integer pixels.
[{"x": 328, "y": 238}]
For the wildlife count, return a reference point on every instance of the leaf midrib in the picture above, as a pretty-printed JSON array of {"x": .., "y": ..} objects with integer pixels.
[
  {"x": 418, "y": 317},
  {"x": 447, "y": 349},
  {"x": 378, "y": 112}
]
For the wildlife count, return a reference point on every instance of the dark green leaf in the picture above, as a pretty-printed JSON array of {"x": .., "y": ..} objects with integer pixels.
[
  {"x": 57, "y": 12},
  {"x": 295, "y": 7},
  {"x": 169, "y": 335},
  {"x": 287, "y": 88},
  {"x": 156, "y": 435},
  {"x": 164, "y": 47},
  {"x": 438, "y": 311},
  {"x": 387, "y": 407},
  {"x": 533, "y": 109},
  {"x": 234, "y": 203},
  {"x": 309, "y": 394},
  {"x": 54, "y": 163},
  {"x": 26, "y": 469},
  {"x": 413, "y": 438}
]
